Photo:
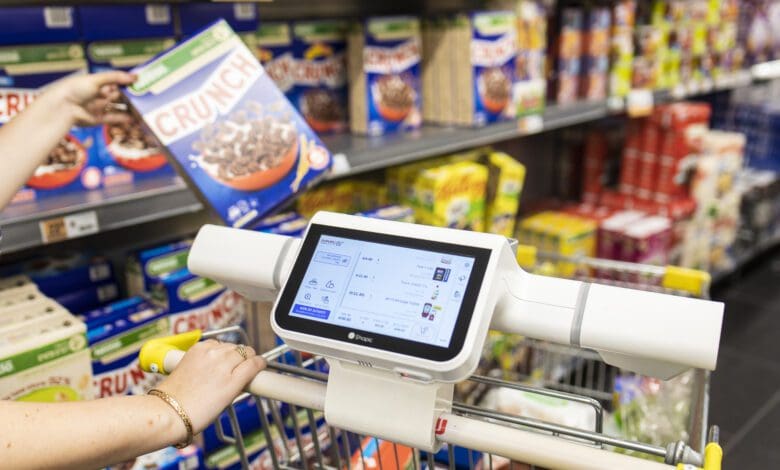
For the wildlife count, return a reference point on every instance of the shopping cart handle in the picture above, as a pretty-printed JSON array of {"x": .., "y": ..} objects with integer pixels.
[
  {"x": 160, "y": 355},
  {"x": 692, "y": 281}
]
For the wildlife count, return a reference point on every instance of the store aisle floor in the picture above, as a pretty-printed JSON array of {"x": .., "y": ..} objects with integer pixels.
[{"x": 745, "y": 389}]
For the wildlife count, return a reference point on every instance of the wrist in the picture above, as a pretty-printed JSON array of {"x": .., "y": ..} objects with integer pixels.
[
  {"x": 169, "y": 427},
  {"x": 56, "y": 98}
]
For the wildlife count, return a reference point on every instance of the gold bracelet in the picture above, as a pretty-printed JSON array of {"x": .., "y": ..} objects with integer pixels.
[{"x": 180, "y": 411}]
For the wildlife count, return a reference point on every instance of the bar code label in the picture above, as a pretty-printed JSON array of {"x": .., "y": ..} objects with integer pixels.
[
  {"x": 58, "y": 17},
  {"x": 71, "y": 226},
  {"x": 244, "y": 11},
  {"x": 158, "y": 14}
]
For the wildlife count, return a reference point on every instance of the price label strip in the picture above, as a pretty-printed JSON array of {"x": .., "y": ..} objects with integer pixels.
[
  {"x": 70, "y": 226},
  {"x": 532, "y": 124}
]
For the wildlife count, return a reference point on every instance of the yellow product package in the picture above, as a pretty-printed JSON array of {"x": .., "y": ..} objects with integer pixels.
[
  {"x": 452, "y": 196},
  {"x": 368, "y": 194},
  {"x": 46, "y": 362},
  {"x": 573, "y": 236},
  {"x": 505, "y": 185},
  {"x": 334, "y": 197}
]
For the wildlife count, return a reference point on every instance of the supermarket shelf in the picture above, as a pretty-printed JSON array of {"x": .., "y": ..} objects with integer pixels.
[
  {"x": 757, "y": 251},
  {"x": 100, "y": 211}
]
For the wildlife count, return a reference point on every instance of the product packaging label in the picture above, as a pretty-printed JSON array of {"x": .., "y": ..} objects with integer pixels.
[
  {"x": 240, "y": 16},
  {"x": 111, "y": 312},
  {"x": 273, "y": 48},
  {"x": 319, "y": 74},
  {"x": 493, "y": 60},
  {"x": 89, "y": 298},
  {"x": 148, "y": 265},
  {"x": 228, "y": 127},
  {"x": 36, "y": 25},
  {"x": 391, "y": 62}
]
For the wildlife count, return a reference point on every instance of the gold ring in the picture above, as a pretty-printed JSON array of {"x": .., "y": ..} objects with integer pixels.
[{"x": 242, "y": 351}]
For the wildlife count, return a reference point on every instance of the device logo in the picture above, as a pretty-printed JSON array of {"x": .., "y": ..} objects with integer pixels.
[
  {"x": 354, "y": 336},
  {"x": 441, "y": 426}
]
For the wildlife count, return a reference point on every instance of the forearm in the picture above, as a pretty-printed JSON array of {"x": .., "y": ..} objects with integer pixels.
[
  {"x": 27, "y": 139},
  {"x": 89, "y": 434}
]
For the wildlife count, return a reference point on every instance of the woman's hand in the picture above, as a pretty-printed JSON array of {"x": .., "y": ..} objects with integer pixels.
[
  {"x": 87, "y": 99},
  {"x": 209, "y": 377}
]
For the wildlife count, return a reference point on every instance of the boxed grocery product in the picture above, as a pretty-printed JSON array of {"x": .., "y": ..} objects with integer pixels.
[
  {"x": 114, "y": 342},
  {"x": 648, "y": 162},
  {"x": 29, "y": 313},
  {"x": 559, "y": 233},
  {"x": 19, "y": 295},
  {"x": 482, "y": 88},
  {"x": 594, "y": 166},
  {"x": 384, "y": 75},
  {"x": 39, "y": 45},
  {"x": 275, "y": 220},
  {"x": 62, "y": 273},
  {"x": 112, "y": 311},
  {"x": 629, "y": 164},
  {"x": 290, "y": 228},
  {"x": 506, "y": 177},
  {"x": 370, "y": 193},
  {"x": 88, "y": 298},
  {"x": 528, "y": 93},
  {"x": 16, "y": 280},
  {"x": 194, "y": 302},
  {"x": 452, "y": 196},
  {"x": 170, "y": 458},
  {"x": 334, "y": 197},
  {"x": 126, "y": 152},
  {"x": 552, "y": 410},
  {"x": 228, "y": 128},
  {"x": 147, "y": 265},
  {"x": 609, "y": 245},
  {"x": 240, "y": 16},
  {"x": 396, "y": 213},
  {"x": 567, "y": 41},
  {"x": 621, "y": 47},
  {"x": 647, "y": 241},
  {"x": 376, "y": 454},
  {"x": 595, "y": 70},
  {"x": 273, "y": 48},
  {"x": 319, "y": 74},
  {"x": 49, "y": 362}
]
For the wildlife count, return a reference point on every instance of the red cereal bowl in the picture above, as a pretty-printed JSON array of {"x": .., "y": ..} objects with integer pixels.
[
  {"x": 60, "y": 178},
  {"x": 142, "y": 165},
  {"x": 265, "y": 178}
]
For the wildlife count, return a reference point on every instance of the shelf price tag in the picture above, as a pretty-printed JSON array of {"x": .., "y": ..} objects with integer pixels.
[
  {"x": 67, "y": 227},
  {"x": 530, "y": 124},
  {"x": 639, "y": 103}
]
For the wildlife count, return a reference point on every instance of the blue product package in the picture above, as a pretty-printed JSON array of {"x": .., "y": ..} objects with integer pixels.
[
  {"x": 275, "y": 220},
  {"x": 390, "y": 48},
  {"x": 464, "y": 459},
  {"x": 115, "y": 344},
  {"x": 319, "y": 74},
  {"x": 291, "y": 228},
  {"x": 37, "y": 25},
  {"x": 126, "y": 152},
  {"x": 64, "y": 273},
  {"x": 112, "y": 311},
  {"x": 395, "y": 212},
  {"x": 229, "y": 129},
  {"x": 273, "y": 47},
  {"x": 145, "y": 266},
  {"x": 493, "y": 61},
  {"x": 89, "y": 298},
  {"x": 169, "y": 458},
  {"x": 241, "y": 17}
]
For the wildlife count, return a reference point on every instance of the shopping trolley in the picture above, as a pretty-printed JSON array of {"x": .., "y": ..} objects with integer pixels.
[{"x": 290, "y": 397}]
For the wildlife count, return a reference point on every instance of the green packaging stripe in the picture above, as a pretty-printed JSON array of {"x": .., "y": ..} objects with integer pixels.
[
  {"x": 132, "y": 337},
  {"x": 197, "y": 287},
  {"x": 35, "y": 357},
  {"x": 494, "y": 22},
  {"x": 17, "y": 55},
  {"x": 107, "y": 50},
  {"x": 167, "y": 263},
  {"x": 169, "y": 63},
  {"x": 393, "y": 28},
  {"x": 321, "y": 30}
]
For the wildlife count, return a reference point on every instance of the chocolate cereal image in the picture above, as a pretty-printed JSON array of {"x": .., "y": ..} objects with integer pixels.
[
  {"x": 132, "y": 148},
  {"x": 495, "y": 89},
  {"x": 394, "y": 97},
  {"x": 322, "y": 110},
  {"x": 62, "y": 166},
  {"x": 248, "y": 151}
]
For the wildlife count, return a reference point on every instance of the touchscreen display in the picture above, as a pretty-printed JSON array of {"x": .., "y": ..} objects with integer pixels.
[{"x": 390, "y": 290}]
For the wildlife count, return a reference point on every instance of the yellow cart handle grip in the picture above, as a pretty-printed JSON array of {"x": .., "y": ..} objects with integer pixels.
[
  {"x": 693, "y": 281},
  {"x": 152, "y": 355}
]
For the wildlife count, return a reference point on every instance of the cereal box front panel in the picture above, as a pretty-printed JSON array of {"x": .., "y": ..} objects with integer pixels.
[
  {"x": 493, "y": 56},
  {"x": 320, "y": 74},
  {"x": 391, "y": 61},
  {"x": 228, "y": 127}
]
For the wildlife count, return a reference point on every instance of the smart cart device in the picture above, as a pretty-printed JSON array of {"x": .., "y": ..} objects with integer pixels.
[{"x": 401, "y": 312}]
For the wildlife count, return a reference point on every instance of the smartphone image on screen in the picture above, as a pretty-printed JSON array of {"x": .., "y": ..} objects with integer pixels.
[{"x": 426, "y": 310}]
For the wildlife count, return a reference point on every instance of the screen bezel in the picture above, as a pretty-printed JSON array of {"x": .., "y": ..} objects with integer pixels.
[{"x": 382, "y": 342}]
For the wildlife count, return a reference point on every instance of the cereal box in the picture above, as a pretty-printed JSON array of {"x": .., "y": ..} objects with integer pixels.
[
  {"x": 384, "y": 75},
  {"x": 241, "y": 17},
  {"x": 38, "y": 46},
  {"x": 126, "y": 152},
  {"x": 319, "y": 74},
  {"x": 594, "y": 84},
  {"x": 147, "y": 265},
  {"x": 114, "y": 343},
  {"x": 59, "y": 274},
  {"x": 273, "y": 48},
  {"x": 27, "y": 311},
  {"x": 228, "y": 128},
  {"x": 88, "y": 298},
  {"x": 528, "y": 94},
  {"x": 621, "y": 47},
  {"x": 506, "y": 178},
  {"x": 567, "y": 41},
  {"x": 47, "y": 363},
  {"x": 118, "y": 309},
  {"x": 452, "y": 196}
]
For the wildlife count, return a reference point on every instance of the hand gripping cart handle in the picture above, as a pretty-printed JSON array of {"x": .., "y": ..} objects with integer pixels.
[{"x": 348, "y": 293}]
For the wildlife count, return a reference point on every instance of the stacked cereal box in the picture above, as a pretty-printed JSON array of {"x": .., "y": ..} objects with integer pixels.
[
  {"x": 43, "y": 348},
  {"x": 622, "y": 47},
  {"x": 595, "y": 68},
  {"x": 227, "y": 126},
  {"x": 273, "y": 48},
  {"x": 240, "y": 16},
  {"x": 39, "y": 45},
  {"x": 566, "y": 40},
  {"x": 384, "y": 75},
  {"x": 126, "y": 151},
  {"x": 530, "y": 86},
  {"x": 319, "y": 74}
]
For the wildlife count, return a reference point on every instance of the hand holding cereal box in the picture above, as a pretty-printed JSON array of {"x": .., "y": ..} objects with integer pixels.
[{"x": 230, "y": 130}]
